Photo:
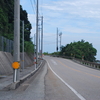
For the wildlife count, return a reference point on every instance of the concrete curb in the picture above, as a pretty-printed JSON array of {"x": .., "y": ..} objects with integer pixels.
[{"x": 15, "y": 85}]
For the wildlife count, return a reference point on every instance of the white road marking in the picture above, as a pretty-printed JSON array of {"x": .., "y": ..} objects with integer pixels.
[
  {"x": 53, "y": 62},
  {"x": 75, "y": 92}
]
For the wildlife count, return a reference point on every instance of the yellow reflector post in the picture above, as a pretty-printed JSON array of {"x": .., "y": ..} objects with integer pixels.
[{"x": 15, "y": 65}]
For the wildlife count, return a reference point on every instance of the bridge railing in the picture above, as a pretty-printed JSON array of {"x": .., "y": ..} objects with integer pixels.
[
  {"x": 83, "y": 62},
  {"x": 87, "y": 63}
]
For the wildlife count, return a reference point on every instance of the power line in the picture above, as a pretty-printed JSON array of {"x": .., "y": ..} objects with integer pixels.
[
  {"x": 34, "y": 2},
  {"x": 41, "y": 7},
  {"x": 32, "y": 6}
]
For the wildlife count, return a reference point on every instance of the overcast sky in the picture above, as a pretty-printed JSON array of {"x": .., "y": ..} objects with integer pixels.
[{"x": 76, "y": 19}]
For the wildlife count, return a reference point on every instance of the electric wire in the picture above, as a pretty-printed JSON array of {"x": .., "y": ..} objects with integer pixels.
[
  {"x": 34, "y": 2},
  {"x": 35, "y": 5},
  {"x": 41, "y": 9},
  {"x": 32, "y": 6}
]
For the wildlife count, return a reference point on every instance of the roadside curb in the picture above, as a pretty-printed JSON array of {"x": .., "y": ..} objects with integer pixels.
[{"x": 15, "y": 85}]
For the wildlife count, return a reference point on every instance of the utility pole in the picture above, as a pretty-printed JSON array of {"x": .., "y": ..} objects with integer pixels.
[
  {"x": 23, "y": 43},
  {"x": 37, "y": 35},
  {"x": 60, "y": 34},
  {"x": 41, "y": 36},
  {"x": 57, "y": 40},
  {"x": 39, "y": 41},
  {"x": 16, "y": 54},
  {"x": 34, "y": 52}
]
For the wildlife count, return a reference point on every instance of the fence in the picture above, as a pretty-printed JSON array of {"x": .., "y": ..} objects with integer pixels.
[
  {"x": 83, "y": 62},
  {"x": 6, "y": 45},
  {"x": 87, "y": 63}
]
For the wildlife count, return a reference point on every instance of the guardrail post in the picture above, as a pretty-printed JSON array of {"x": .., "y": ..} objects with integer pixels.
[{"x": 94, "y": 66}]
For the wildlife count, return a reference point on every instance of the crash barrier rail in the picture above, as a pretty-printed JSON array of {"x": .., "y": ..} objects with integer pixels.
[
  {"x": 6, "y": 45},
  {"x": 87, "y": 63},
  {"x": 83, "y": 62}
]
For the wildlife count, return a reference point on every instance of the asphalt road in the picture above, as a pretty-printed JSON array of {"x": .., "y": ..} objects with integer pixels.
[
  {"x": 59, "y": 79},
  {"x": 81, "y": 81}
]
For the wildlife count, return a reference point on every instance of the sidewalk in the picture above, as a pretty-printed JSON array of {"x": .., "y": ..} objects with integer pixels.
[{"x": 7, "y": 80}]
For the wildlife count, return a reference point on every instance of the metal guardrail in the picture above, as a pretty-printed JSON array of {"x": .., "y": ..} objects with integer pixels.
[
  {"x": 6, "y": 45},
  {"x": 83, "y": 62},
  {"x": 87, "y": 63}
]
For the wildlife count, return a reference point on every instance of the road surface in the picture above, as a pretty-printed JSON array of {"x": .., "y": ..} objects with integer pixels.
[
  {"x": 59, "y": 79},
  {"x": 84, "y": 82}
]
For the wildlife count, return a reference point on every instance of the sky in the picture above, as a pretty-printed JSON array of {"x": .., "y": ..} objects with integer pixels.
[{"x": 76, "y": 19}]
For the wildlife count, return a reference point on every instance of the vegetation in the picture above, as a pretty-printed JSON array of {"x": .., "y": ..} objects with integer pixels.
[
  {"x": 7, "y": 23},
  {"x": 55, "y": 53},
  {"x": 46, "y": 53},
  {"x": 6, "y": 17},
  {"x": 81, "y": 49},
  {"x": 28, "y": 45}
]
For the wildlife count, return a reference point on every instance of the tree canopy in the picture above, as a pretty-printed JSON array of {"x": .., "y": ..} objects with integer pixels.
[
  {"x": 81, "y": 49},
  {"x": 7, "y": 22}
]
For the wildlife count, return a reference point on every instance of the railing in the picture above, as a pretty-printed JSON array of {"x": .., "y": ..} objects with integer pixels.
[
  {"x": 6, "y": 45},
  {"x": 87, "y": 63},
  {"x": 83, "y": 62}
]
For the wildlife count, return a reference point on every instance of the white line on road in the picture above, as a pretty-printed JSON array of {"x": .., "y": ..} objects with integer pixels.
[
  {"x": 76, "y": 93},
  {"x": 53, "y": 62}
]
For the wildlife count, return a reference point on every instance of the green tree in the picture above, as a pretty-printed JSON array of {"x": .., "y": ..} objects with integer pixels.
[
  {"x": 7, "y": 23},
  {"x": 81, "y": 49},
  {"x": 27, "y": 26},
  {"x": 29, "y": 47}
]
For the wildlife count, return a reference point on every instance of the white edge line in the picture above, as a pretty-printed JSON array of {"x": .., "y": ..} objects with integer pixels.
[{"x": 75, "y": 92}]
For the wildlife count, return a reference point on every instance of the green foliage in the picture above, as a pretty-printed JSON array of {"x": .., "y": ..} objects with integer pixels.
[
  {"x": 46, "y": 53},
  {"x": 81, "y": 49},
  {"x": 27, "y": 25},
  {"x": 6, "y": 17},
  {"x": 29, "y": 47},
  {"x": 55, "y": 53},
  {"x": 7, "y": 23}
]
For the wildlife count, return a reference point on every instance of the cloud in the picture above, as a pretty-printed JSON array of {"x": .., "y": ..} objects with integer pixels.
[
  {"x": 86, "y": 8},
  {"x": 76, "y": 19}
]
